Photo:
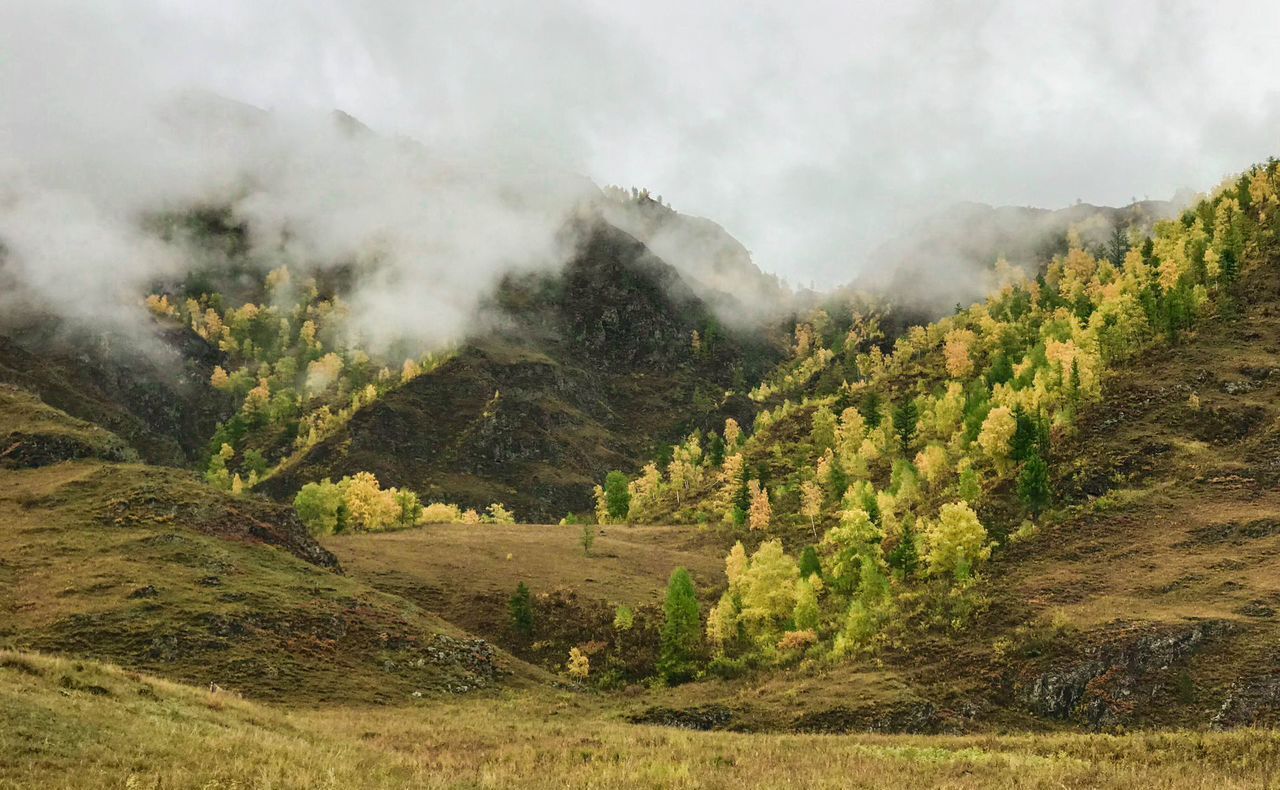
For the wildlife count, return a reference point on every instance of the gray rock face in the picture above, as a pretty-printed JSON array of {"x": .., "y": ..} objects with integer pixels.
[
  {"x": 1250, "y": 703},
  {"x": 1102, "y": 689}
]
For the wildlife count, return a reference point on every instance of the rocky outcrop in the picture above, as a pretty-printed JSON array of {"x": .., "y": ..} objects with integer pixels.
[
  {"x": 154, "y": 497},
  {"x": 1250, "y": 703},
  {"x": 706, "y": 717},
  {"x": 914, "y": 717},
  {"x": 1105, "y": 686},
  {"x": 20, "y": 450}
]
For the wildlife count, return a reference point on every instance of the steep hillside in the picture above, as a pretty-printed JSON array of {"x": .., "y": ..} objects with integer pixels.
[
  {"x": 150, "y": 389},
  {"x": 153, "y": 569},
  {"x": 583, "y": 371},
  {"x": 892, "y": 521},
  {"x": 717, "y": 266}
]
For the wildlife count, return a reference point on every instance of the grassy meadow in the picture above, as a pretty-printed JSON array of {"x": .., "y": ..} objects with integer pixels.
[{"x": 81, "y": 724}]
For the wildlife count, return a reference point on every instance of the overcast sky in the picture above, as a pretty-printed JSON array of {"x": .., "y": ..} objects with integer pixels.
[{"x": 810, "y": 130}]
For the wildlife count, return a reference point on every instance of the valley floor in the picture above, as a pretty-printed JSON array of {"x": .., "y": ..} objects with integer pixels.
[{"x": 81, "y": 724}]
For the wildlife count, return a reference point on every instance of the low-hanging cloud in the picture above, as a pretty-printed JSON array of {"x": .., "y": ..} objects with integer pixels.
[
  {"x": 812, "y": 131},
  {"x": 430, "y": 234}
]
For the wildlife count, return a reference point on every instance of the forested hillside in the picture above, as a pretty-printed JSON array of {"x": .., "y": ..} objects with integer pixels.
[
  {"x": 869, "y": 511},
  {"x": 584, "y": 370}
]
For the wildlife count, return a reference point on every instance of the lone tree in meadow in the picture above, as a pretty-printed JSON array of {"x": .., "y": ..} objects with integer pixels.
[
  {"x": 521, "y": 607},
  {"x": 682, "y": 631}
]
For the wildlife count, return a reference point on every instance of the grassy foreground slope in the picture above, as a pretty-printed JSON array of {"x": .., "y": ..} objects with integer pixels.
[
  {"x": 150, "y": 568},
  {"x": 63, "y": 729}
]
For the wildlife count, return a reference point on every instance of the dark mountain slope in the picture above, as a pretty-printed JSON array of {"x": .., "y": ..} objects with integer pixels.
[
  {"x": 716, "y": 265},
  {"x": 584, "y": 370},
  {"x": 150, "y": 391}
]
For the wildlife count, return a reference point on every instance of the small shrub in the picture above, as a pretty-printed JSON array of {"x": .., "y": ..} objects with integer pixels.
[
  {"x": 498, "y": 514},
  {"x": 440, "y": 513},
  {"x": 797, "y": 640},
  {"x": 1023, "y": 533},
  {"x": 578, "y": 665}
]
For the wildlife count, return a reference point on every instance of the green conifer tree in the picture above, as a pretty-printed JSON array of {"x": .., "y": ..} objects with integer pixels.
[
  {"x": 617, "y": 498},
  {"x": 905, "y": 417},
  {"x": 521, "y": 606},
  {"x": 682, "y": 631},
  {"x": 1033, "y": 484},
  {"x": 809, "y": 563}
]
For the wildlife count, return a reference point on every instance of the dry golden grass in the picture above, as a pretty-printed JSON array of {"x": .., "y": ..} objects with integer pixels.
[
  {"x": 449, "y": 567},
  {"x": 71, "y": 724}
]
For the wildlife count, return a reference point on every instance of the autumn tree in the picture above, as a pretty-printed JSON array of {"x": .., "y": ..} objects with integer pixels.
[
  {"x": 956, "y": 351},
  {"x": 811, "y": 504},
  {"x": 370, "y": 507},
  {"x": 321, "y": 507},
  {"x": 955, "y": 542},
  {"x": 217, "y": 474},
  {"x": 578, "y": 665},
  {"x": 723, "y": 630},
  {"x": 768, "y": 594},
  {"x": 761, "y": 511},
  {"x": 823, "y": 433},
  {"x": 497, "y": 513},
  {"x": 732, "y": 433},
  {"x": 602, "y": 504},
  {"x": 996, "y": 436},
  {"x": 643, "y": 492},
  {"x": 847, "y": 545},
  {"x": 806, "y": 612}
]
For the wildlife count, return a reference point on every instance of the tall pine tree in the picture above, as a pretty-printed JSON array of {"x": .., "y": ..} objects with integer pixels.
[{"x": 682, "y": 631}]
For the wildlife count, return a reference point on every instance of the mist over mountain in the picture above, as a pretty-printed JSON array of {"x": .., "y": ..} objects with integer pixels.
[{"x": 949, "y": 258}]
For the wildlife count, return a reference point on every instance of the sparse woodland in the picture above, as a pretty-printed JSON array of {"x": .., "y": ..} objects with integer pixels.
[{"x": 879, "y": 481}]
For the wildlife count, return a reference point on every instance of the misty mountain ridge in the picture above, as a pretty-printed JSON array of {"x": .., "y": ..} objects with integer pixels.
[{"x": 948, "y": 257}]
